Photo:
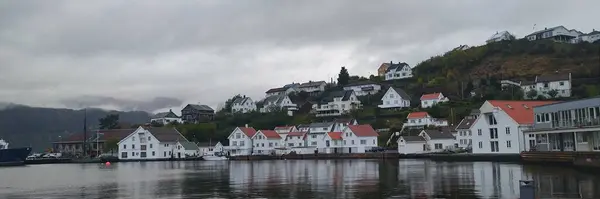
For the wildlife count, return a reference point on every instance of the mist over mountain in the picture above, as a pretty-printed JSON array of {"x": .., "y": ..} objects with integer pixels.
[{"x": 121, "y": 104}]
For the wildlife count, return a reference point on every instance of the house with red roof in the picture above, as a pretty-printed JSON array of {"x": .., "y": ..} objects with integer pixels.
[
  {"x": 423, "y": 119},
  {"x": 332, "y": 143},
  {"x": 265, "y": 141},
  {"x": 359, "y": 138},
  {"x": 501, "y": 125},
  {"x": 284, "y": 130},
  {"x": 295, "y": 139},
  {"x": 431, "y": 99},
  {"x": 240, "y": 141}
]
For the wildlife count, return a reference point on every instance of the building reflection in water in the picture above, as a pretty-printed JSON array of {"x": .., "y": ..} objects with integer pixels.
[{"x": 556, "y": 182}]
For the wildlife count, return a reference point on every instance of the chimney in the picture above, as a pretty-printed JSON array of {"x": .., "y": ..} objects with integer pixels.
[
  {"x": 391, "y": 62},
  {"x": 545, "y": 28},
  {"x": 246, "y": 125}
]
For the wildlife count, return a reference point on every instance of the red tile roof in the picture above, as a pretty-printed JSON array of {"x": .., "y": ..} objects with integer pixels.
[
  {"x": 520, "y": 111},
  {"x": 417, "y": 115},
  {"x": 296, "y": 133},
  {"x": 249, "y": 131},
  {"x": 270, "y": 134},
  {"x": 363, "y": 130},
  {"x": 335, "y": 135},
  {"x": 430, "y": 96}
]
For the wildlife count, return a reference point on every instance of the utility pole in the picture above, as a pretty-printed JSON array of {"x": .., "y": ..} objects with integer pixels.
[{"x": 84, "y": 132}]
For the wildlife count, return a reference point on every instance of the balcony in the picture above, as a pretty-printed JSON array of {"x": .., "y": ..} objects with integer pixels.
[
  {"x": 327, "y": 113},
  {"x": 586, "y": 122}
]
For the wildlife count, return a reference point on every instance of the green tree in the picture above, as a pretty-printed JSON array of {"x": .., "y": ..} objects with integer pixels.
[
  {"x": 531, "y": 94},
  {"x": 343, "y": 77},
  {"x": 111, "y": 121},
  {"x": 591, "y": 90},
  {"x": 111, "y": 145},
  {"x": 553, "y": 93}
]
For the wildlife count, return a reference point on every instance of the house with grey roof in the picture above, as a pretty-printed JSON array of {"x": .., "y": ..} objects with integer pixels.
[
  {"x": 195, "y": 113},
  {"x": 547, "y": 85},
  {"x": 243, "y": 105},
  {"x": 188, "y": 149},
  {"x": 438, "y": 140},
  {"x": 165, "y": 118},
  {"x": 590, "y": 37},
  {"x": 395, "y": 98},
  {"x": 558, "y": 34},
  {"x": 313, "y": 87},
  {"x": 400, "y": 70},
  {"x": 337, "y": 103},
  {"x": 500, "y": 36},
  {"x": 282, "y": 90},
  {"x": 412, "y": 144},
  {"x": 363, "y": 88},
  {"x": 277, "y": 103},
  {"x": 464, "y": 137},
  {"x": 152, "y": 143}
]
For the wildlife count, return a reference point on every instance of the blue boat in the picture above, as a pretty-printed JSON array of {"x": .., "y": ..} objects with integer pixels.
[{"x": 12, "y": 157}]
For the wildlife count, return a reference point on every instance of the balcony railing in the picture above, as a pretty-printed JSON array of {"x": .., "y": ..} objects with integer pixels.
[{"x": 585, "y": 122}]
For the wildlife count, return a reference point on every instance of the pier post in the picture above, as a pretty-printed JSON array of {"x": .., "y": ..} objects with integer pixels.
[{"x": 526, "y": 189}]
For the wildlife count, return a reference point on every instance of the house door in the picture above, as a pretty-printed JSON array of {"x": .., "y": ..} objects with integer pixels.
[
  {"x": 349, "y": 150},
  {"x": 424, "y": 147},
  {"x": 179, "y": 155}
]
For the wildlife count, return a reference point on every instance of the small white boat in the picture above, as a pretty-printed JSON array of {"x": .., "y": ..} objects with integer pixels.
[{"x": 214, "y": 158}]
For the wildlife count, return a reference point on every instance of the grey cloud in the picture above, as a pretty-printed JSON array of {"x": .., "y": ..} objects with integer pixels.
[
  {"x": 122, "y": 104},
  {"x": 206, "y": 51}
]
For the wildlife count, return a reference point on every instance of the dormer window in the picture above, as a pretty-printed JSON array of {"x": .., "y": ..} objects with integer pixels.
[{"x": 492, "y": 119}]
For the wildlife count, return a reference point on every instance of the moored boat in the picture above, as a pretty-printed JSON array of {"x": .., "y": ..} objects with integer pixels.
[
  {"x": 215, "y": 157},
  {"x": 14, "y": 156}
]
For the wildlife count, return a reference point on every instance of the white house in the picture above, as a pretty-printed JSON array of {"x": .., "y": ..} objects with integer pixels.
[
  {"x": 412, "y": 145},
  {"x": 243, "y": 105},
  {"x": 500, "y": 125},
  {"x": 187, "y": 149},
  {"x": 316, "y": 133},
  {"x": 545, "y": 84},
  {"x": 240, "y": 142},
  {"x": 332, "y": 143},
  {"x": 312, "y": 87},
  {"x": 151, "y": 143},
  {"x": 165, "y": 118},
  {"x": 437, "y": 140},
  {"x": 207, "y": 148},
  {"x": 465, "y": 135},
  {"x": 303, "y": 127},
  {"x": 284, "y": 130},
  {"x": 500, "y": 36},
  {"x": 395, "y": 98},
  {"x": 281, "y": 91},
  {"x": 359, "y": 138},
  {"x": 219, "y": 147},
  {"x": 295, "y": 139},
  {"x": 265, "y": 142},
  {"x": 337, "y": 103},
  {"x": 278, "y": 102},
  {"x": 398, "y": 71},
  {"x": 429, "y": 100},
  {"x": 559, "y": 34},
  {"x": 339, "y": 124},
  {"x": 422, "y": 119},
  {"x": 363, "y": 88},
  {"x": 589, "y": 37}
]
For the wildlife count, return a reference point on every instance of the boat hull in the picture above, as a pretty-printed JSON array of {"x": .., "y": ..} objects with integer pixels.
[
  {"x": 214, "y": 158},
  {"x": 14, "y": 156}
]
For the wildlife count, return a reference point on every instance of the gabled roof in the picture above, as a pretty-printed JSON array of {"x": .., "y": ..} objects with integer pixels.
[
  {"x": 417, "y": 115},
  {"x": 401, "y": 92},
  {"x": 520, "y": 111},
  {"x": 311, "y": 84},
  {"x": 249, "y": 131},
  {"x": 594, "y": 32},
  {"x": 396, "y": 66},
  {"x": 363, "y": 130},
  {"x": 321, "y": 124},
  {"x": 169, "y": 114},
  {"x": 430, "y": 96},
  {"x": 345, "y": 95},
  {"x": 276, "y": 99},
  {"x": 166, "y": 134},
  {"x": 413, "y": 138},
  {"x": 275, "y": 90},
  {"x": 188, "y": 145},
  {"x": 335, "y": 135},
  {"x": 466, "y": 123},
  {"x": 241, "y": 100},
  {"x": 200, "y": 107},
  {"x": 270, "y": 134},
  {"x": 498, "y": 35},
  {"x": 545, "y": 30},
  {"x": 284, "y": 128},
  {"x": 436, "y": 134},
  {"x": 553, "y": 77},
  {"x": 296, "y": 134},
  {"x": 300, "y": 126}
]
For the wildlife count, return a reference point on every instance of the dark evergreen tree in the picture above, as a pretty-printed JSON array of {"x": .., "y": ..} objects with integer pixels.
[{"x": 343, "y": 77}]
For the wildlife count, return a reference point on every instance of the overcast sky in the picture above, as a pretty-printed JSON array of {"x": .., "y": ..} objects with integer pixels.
[{"x": 156, "y": 54}]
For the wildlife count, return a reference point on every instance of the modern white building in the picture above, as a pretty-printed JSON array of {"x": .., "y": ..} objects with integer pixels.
[
  {"x": 438, "y": 140},
  {"x": 500, "y": 36},
  {"x": 165, "y": 118},
  {"x": 240, "y": 141},
  {"x": 243, "y": 105},
  {"x": 464, "y": 138},
  {"x": 278, "y": 102},
  {"x": 423, "y": 119},
  {"x": 558, "y": 34},
  {"x": 398, "y": 71},
  {"x": 313, "y": 87},
  {"x": 412, "y": 145},
  {"x": 544, "y": 85},
  {"x": 265, "y": 142},
  {"x": 501, "y": 124},
  {"x": 395, "y": 98},
  {"x": 429, "y": 100},
  {"x": 359, "y": 138},
  {"x": 337, "y": 103},
  {"x": 363, "y": 88},
  {"x": 565, "y": 126},
  {"x": 147, "y": 143}
]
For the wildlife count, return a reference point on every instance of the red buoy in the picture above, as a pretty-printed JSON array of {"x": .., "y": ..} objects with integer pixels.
[{"x": 107, "y": 163}]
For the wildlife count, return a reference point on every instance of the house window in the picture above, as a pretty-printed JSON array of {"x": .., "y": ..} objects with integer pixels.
[
  {"x": 562, "y": 83},
  {"x": 508, "y": 144},
  {"x": 133, "y": 146},
  {"x": 124, "y": 146},
  {"x": 290, "y": 144},
  {"x": 493, "y": 133},
  {"x": 241, "y": 143},
  {"x": 270, "y": 144},
  {"x": 124, "y": 155},
  {"x": 373, "y": 141},
  {"x": 531, "y": 135},
  {"x": 165, "y": 154},
  {"x": 545, "y": 85},
  {"x": 344, "y": 142},
  {"x": 352, "y": 142},
  {"x": 313, "y": 143},
  {"x": 149, "y": 138},
  {"x": 480, "y": 145},
  {"x": 314, "y": 136},
  {"x": 438, "y": 146},
  {"x": 132, "y": 154},
  {"x": 143, "y": 155},
  {"x": 507, "y": 130},
  {"x": 143, "y": 147},
  {"x": 150, "y": 145},
  {"x": 494, "y": 146},
  {"x": 153, "y": 153},
  {"x": 363, "y": 142},
  {"x": 262, "y": 144},
  {"x": 234, "y": 143},
  {"x": 479, "y": 132},
  {"x": 133, "y": 138},
  {"x": 469, "y": 132},
  {"x": 392, "y": 95},
  {"x": 492, "y": 120}
]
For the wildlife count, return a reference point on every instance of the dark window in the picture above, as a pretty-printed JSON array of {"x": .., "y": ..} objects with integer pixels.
[
  {"x": 124, "y": 155},
  {"x": 143, "y": 154}
]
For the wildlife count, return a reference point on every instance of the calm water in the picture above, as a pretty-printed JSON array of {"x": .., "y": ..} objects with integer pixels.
[{"x": 292, "y": 179}]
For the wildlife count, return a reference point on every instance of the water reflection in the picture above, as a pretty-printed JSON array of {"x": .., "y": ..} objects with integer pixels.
[{"x": 293, "y": 179}]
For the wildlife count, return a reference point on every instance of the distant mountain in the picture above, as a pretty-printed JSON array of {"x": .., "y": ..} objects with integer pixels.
[{"x": 39, "y": 127}]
